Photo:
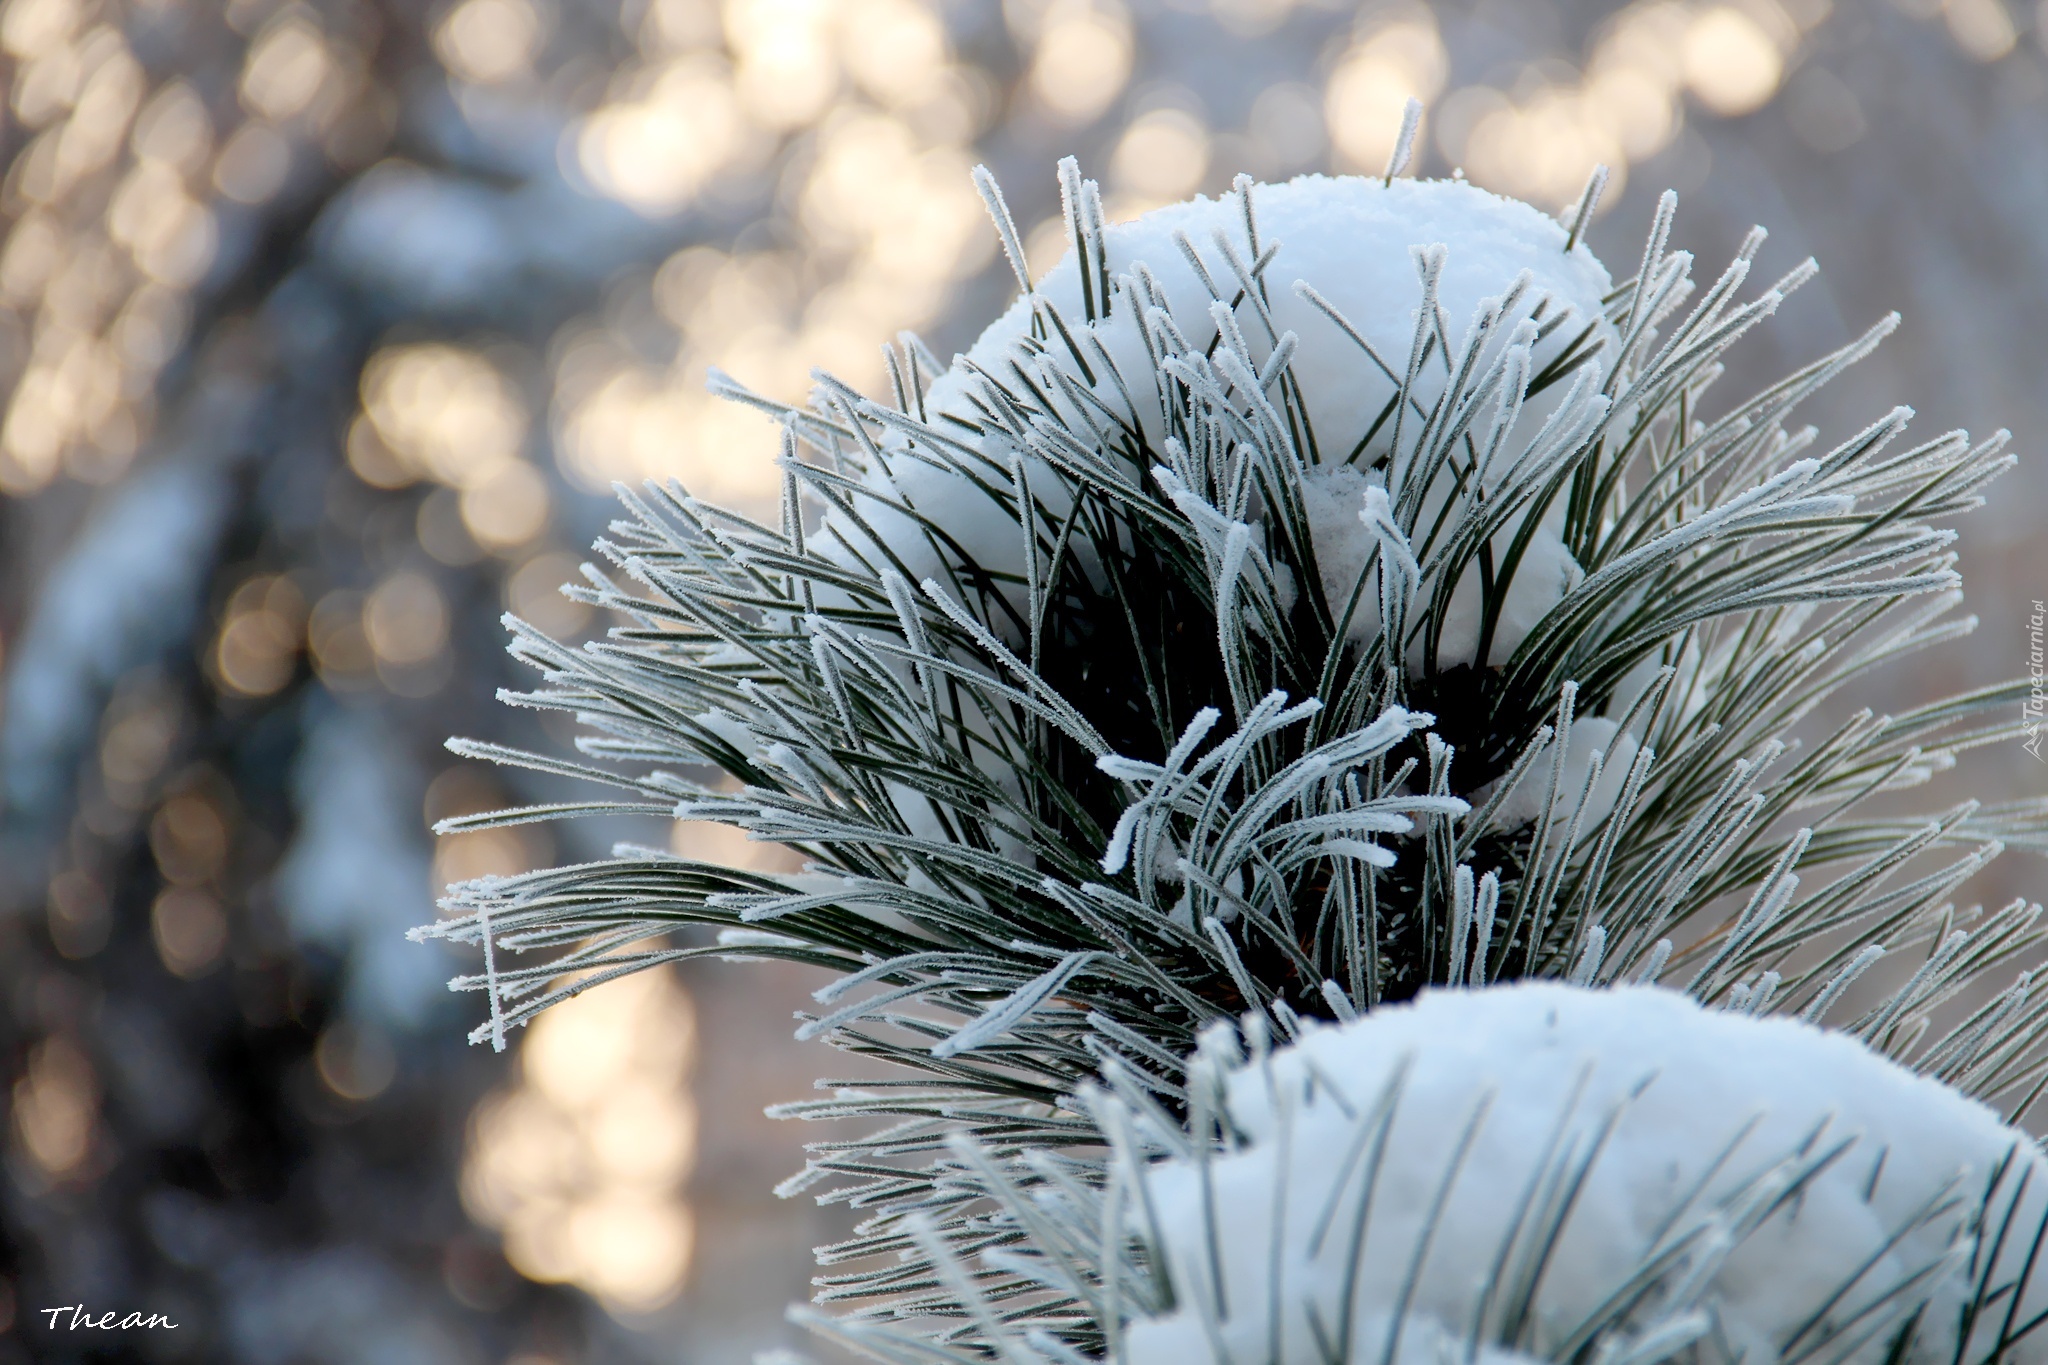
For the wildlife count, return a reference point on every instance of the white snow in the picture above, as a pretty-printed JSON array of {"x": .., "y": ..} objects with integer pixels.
[
  {"x": 1590, "y": 736},
  {"x": 1332, "y": 498},
  {"x": 1350, "y": 238},
  {"x": 1724, "y": 1098},
  {"x": 732, "y": 730}
]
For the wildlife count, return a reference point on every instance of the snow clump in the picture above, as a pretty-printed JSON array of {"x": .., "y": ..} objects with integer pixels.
[
  {"x": 1360, "y": 244},
  {"x": 1592, "y": 737},
  {"x": 1526, "y": 1160}
]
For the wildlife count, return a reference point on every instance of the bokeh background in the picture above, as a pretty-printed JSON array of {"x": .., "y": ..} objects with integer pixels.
[{"x": 326, "y": 324}]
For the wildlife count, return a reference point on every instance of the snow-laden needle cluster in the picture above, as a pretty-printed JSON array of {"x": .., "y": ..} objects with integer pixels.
[
  {"x": 1296, "y": 599},
  {"x": 1532, "y": 1172}
]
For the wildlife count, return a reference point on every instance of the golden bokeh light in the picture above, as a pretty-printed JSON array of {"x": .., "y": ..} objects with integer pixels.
[
  {"x": 34, "y": 29},
  {"x": 1543, "y": 149},
  {"x": 1983, "y": 29},
  {"x": 637, "y": 423},
  {"x": 1161, "y": 157},
  {"x": 489, "y": 41},
  {"x": 1628, "y": 106},
  {"x": 886, "y": 215},
  {"x": 1081, "y": 58},
  {"x": 136, "y": 745},
  {"x": 108, "y": 89},
  {"x": 658, "y": 144},
  {"x": 1648, "y": 38},
  {"x": 1634, "y": 109},
  {"x": 583, "y": 1161},
  {"x": 1731, "y": 63},
  {"x": 171, "y": 237},
  {"x": 464, "y": 789},
  {"x": 905, "y": 217},
  {"x": 174, "y": 129},
  {"x": 34, "y": 251},
  {"x": 728, "y": 846},
  {"x": 481, "y": 853},
  {"x": 253, "y": 165},
  {"x": 679, "y": 25},
  {"x": 56, "y": 1107},
  {"x": 287, "y": 68},
  {"x": 355, "y": 1061},
  {"x": 374, "y": 462},
  {"x": 341, "y": 650},
  {"x": 101, "y": 250},
  {"x": 629, "y": 1251},
  {"x": 257, "y": 650},
  {"x": 1398, "y": 57},
  {"x": 406, "y": 619},
  {"x": 1045, "y": 244},
  {"x": 190, "y": 930},
  {"x": 508, "y": 509},
  {"x": 446, "y": 412},
  {"x": 895, "y": 50},
  {"x": 635, "y": 1135},
  {"x": 150, "y": 327},
  {"x": 712, "y": 296},
  {"x": 190, "y": 839},
  {"x": 785, "y": 70},
  {"x": 533, "y": 593}
]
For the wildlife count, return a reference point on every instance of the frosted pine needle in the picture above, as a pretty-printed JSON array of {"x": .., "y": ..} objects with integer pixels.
[{"x": 1264, "y": 621}]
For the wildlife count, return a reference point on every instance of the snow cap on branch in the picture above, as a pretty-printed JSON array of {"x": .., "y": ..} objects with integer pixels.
[
  {"x": 1353, "y": 290},
  {"x": 1522, "y": 1159},
  {"x": 1352, "y": 239}
]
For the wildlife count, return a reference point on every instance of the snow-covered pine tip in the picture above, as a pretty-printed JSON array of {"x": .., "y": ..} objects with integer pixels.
[
  {"x": 1558, "y": 1172},
  {"x": 1543, "y": 1172},
  {"x": 1332, "y": 323},
  {"x": 1206, "y": 640}
]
